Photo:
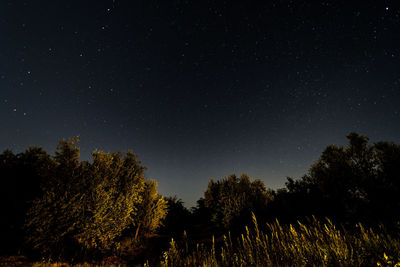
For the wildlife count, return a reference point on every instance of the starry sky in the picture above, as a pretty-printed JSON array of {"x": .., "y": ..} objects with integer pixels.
[{"x": 200, "y": 89}]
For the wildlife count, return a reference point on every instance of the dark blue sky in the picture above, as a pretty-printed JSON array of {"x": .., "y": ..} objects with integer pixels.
[{"x": 200, "y": 89}]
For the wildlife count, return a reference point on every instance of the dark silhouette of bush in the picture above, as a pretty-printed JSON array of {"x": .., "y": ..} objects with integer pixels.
[
  {"x": 20, "y": 178},
  {"x": 178, "y": 219}
]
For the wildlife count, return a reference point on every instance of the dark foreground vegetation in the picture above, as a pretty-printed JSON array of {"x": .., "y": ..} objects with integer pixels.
[{"x": 104, "y": 211}]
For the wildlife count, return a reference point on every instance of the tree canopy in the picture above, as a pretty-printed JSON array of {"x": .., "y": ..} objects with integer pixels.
[
  {"x": 72, "y": 208},
  {"x": 20, "y": 178},
  {"x": 90, "y": 204},
  {"x": 356, "y": 182},
  {"x": 232, "y": 199}
]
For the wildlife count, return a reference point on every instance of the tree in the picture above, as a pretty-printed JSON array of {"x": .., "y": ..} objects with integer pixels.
[
  {"x": 356, "y": 182},
  {"x": 88, "y": 205},
  {"x": 383, "y": 189},
  {"x": 178, "y": 217},
  {"x": 151, "y": 211},
  {"x": 20, "y": 178},
  {"x": 231, "y": 200}
]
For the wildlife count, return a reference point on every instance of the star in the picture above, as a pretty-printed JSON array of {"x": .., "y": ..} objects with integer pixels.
[{"x": 234, "y": 76}]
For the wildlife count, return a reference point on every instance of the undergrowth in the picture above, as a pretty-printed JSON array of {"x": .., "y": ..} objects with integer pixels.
[{"x": 318, "y": 244}]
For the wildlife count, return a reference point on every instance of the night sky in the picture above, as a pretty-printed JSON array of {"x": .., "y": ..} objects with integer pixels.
[{"x": 200, "y": 89}]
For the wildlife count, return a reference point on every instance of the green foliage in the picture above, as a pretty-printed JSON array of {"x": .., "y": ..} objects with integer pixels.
[
  {"x": 232, "y": 199},
  {"x": 152, "y": 210},
  {"x": 89, "y": 205},
  {"x": 319, "y": 244},
  {"x": 106, "y": 205}
]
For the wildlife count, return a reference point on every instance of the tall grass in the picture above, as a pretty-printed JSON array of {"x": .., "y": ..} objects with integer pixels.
[{"x": 319, "y": 243}]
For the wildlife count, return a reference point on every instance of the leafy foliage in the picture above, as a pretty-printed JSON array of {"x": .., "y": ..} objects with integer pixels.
[
  {"x": 231, "y": 200},
  {"x": 103, "y": 206},
  {"x": 90, "y": 204},
  {"x": 152, "y": 209},
  {"x": 359, "y": 181}
]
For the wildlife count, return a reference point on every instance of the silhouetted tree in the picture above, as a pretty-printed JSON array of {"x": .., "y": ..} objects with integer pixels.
[
  {"x": 20, "y": 178},
  {"x": 357, "y": 182},
  {"x": 178, "y": 218},
  {"x": 231, "y": 200},
  {"x": 383, "y": 189}
]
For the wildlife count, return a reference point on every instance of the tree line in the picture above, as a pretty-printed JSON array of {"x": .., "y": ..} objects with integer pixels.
[{"x": 61, "y": 207}]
